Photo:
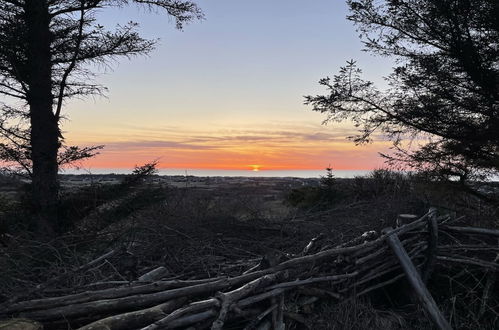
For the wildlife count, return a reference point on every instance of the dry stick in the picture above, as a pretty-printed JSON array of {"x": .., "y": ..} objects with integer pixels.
[
  {"x": 154, "y": 275},
  {"x": 195, "y": 307},
  {"x": 379, "y": 285},
  {"x": 325, "y": 254},
  {"x": 470, "y": 261},
  {"x": 368, "y": 257},
  {"x": 136, "y": 319},
  {"x": 339, "y": 251},
  {"x": 260, "y": 317},
  {"x": 112, "y": 293},
  {"x": 473, "y": 230},
  {"x": 262, "y": 296},
  {"x": 378, "y": 266},
  {"x": 312, "y": 244},
  {"x": 102, "y": 283},
  {"x": 312, "y": 280},
  {"x": 124, "y": 303},
  {"x": 468, "y": 247},
  {"x": 378, "y": 272},
  {"x": 229, "y": 298},
  {"x": 202, "y": 316},
  {"x": 402, "y": 219},
  {"x": 382, "y": 250},
  {"x": 139, "y": 300},
  {"x": 277, "y": 314},
  {"x": 191, "y": 319},
  {"x": 373, "y": 275},
  {"x": 205, "y": 315},
  {"x": 367, "y": 263},
  {"x": 252, "y": 269},
  {"x": 316, "y": 292},
  {"x": 364, "y": 237},
  {"x": 432, "y": 251},
  {"x": 292, "y": 263},
  {"x": 417, "y": 284}
]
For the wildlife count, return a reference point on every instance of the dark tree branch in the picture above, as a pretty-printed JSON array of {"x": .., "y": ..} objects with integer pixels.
[{"x": 69, "y": 69}]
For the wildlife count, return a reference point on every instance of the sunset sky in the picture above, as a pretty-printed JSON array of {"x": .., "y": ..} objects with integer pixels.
[{"x": 227, "y": 92}]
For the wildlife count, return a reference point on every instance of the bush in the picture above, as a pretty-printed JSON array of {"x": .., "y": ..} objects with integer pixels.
[
  {"x": 323, "y": 196},
  {"x": 381, "y": 182}
]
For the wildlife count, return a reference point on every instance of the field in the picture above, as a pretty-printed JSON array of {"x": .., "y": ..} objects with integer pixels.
[{"x": 198, "y": 228}]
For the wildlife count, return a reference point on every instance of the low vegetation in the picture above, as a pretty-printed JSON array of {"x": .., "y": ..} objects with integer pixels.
[{"x": 204, "y": 232}]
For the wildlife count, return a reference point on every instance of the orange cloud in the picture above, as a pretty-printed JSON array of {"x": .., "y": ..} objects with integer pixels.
[{"x": 279, "y": 147}]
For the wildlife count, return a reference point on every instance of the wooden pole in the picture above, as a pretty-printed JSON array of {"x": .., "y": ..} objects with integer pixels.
[{"x": 416, "y": 282}]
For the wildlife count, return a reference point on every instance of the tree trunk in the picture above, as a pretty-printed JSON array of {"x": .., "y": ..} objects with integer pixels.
[{"x": 44, "y": 125}]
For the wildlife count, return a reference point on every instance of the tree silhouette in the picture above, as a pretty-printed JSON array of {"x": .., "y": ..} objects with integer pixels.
[
  {"x": 47, "y": 47},
  {"x": 443, "y": 92}
]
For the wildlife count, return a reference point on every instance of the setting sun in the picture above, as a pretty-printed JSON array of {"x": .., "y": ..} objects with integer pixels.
[{"x": 255, "y": 168}]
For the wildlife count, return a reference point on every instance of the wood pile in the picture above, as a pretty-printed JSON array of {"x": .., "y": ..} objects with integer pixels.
[{"x": 273, "y": 293}]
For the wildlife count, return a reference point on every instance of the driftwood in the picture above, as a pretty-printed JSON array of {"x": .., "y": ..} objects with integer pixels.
[{"x": 259, "y": 297}]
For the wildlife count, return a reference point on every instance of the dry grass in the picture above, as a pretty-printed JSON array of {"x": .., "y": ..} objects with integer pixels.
[{"x": 197, "y": 233}]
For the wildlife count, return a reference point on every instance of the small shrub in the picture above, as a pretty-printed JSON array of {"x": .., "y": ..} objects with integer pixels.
[
  {"x": 381, "y": 182},
  {"x": 323, "y": 196}
]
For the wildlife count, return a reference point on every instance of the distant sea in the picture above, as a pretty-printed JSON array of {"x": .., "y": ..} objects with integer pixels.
[{"x": 244, "y": 173}]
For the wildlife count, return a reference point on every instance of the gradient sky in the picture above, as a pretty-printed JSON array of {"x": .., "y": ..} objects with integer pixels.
[{"x": 227, "y": 92}]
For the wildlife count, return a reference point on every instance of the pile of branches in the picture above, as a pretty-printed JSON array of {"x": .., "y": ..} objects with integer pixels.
[{"x": 272, "y": 293}]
